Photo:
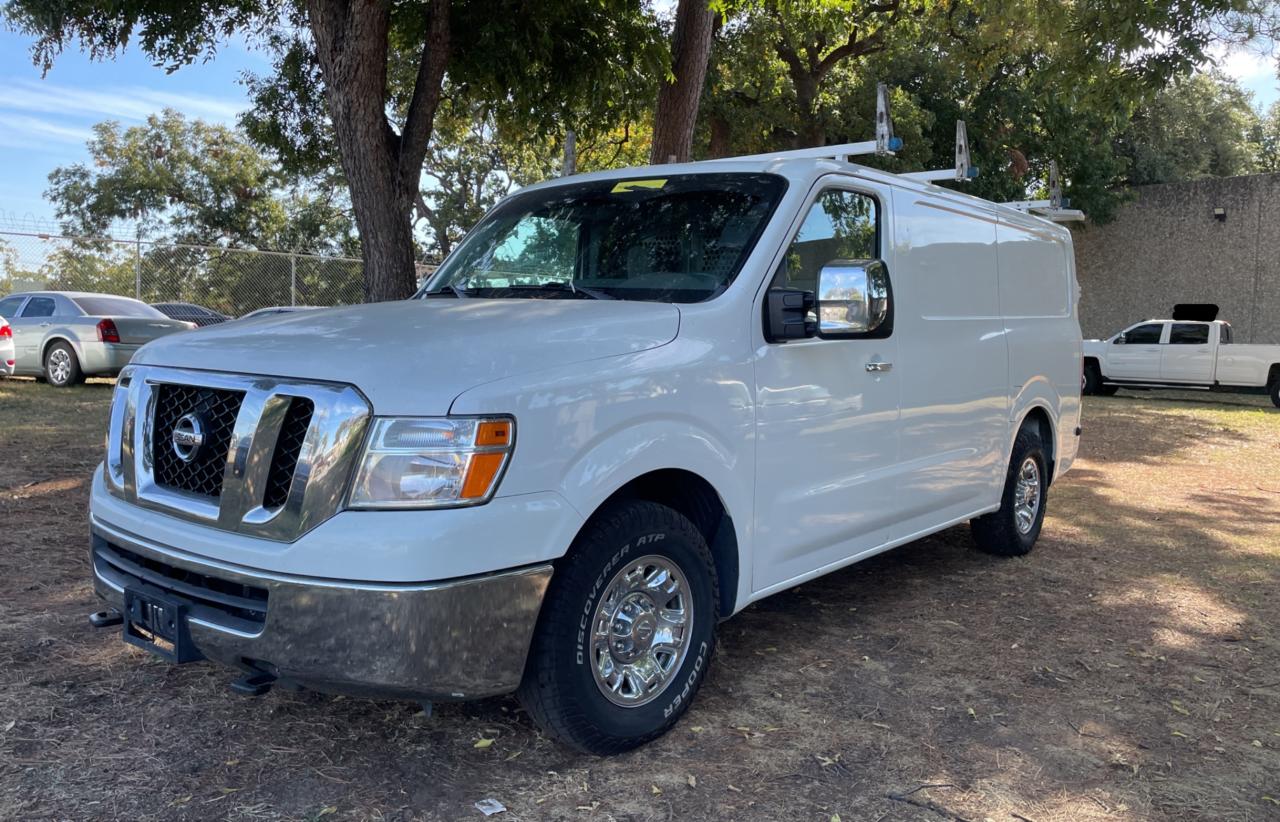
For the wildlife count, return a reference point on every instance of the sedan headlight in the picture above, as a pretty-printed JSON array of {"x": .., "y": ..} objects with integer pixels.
[{"x": 418, "y": 462}]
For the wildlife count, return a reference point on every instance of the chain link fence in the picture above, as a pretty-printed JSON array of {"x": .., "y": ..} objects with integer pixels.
[{"x": 229, "y": 280}]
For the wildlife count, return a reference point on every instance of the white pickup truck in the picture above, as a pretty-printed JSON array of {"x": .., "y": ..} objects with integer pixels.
[
  {"x": 1179, "y": 354},
  {"x": 627, "y": 406}
]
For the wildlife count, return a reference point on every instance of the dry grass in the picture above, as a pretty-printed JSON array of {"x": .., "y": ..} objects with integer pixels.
[{"x": 1127, "y": 669}]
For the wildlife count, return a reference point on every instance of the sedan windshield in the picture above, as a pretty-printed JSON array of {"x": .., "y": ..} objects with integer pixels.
[
  {"x": 116, "y": 307},
  {"x": 680, "y": 239}
]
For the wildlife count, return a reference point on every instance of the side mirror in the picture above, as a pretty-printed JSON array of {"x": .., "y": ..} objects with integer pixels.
[
  {"x": 1121, "y": 340},
  {"x": 854, "y": 300}
]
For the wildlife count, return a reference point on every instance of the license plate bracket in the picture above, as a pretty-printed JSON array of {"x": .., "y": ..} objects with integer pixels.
[{"x": 158, "y": 624}]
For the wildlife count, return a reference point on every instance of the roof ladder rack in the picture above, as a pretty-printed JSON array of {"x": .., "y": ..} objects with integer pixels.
[
  {"x": 1055, "y": 208},
  {"x": 963, "y": 171},
  {"x": 884, "y": 144}
]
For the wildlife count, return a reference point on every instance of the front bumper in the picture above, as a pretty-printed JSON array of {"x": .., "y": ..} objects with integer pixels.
[{"x": 455, "y": 639}]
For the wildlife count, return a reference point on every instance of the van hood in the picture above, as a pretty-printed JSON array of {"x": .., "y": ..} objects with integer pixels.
[{"x": 414, "y": 357}]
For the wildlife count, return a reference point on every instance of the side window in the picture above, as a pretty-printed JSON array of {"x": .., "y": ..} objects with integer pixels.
[
  {"x": 39, "y": 307},
  {"x": 1148, "y": 334},
  {"x": 1224, "y": 336},
  {"x": 1189, "y": 334},
  {"x": 9, "y": 307},
  {"x": 841, "y": 225}
]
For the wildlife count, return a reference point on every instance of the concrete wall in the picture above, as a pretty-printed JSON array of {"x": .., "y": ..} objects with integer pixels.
[{"x": 1166, "y": 247}]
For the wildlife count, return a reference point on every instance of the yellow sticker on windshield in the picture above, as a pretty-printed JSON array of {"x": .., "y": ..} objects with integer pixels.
[{"x": 632, "y": 185}]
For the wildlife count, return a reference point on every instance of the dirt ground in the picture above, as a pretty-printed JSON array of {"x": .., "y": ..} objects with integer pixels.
[{"x": 1126, "y": 669}]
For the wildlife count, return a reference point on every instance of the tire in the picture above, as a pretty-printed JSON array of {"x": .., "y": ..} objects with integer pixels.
[
  {"x": 61, "y": 366},
  {"x": 1012, "y": 530},
  {"x": 1092, "y": 380},
  {"x": 563, "y": 688},
  {"x": 1274, "y": 391}
]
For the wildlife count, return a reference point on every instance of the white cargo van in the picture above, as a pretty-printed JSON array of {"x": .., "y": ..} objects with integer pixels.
[{"x": 627, "y": 406}]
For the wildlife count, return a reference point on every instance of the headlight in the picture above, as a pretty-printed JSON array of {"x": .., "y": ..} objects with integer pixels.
[{"x": 418, "y": 462}]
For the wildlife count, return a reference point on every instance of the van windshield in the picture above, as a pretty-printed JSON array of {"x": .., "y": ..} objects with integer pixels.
[{"x": 679, "y": 238}]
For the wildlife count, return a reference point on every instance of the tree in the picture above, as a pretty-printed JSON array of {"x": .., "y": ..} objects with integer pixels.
[
  {"x": 1202, "y": 125},
  {"x": 193, "y": 182},
  {"x": 679, "y": 94},
  {"x": 376, "y": 61}
]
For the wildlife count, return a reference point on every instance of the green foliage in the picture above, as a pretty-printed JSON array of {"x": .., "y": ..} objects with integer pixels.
[
  {"x": 194, "y": 182},
  {"x": 1203, "y": 125}
]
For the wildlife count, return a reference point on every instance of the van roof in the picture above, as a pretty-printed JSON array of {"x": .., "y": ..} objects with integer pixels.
[{"x": 804, "y": 172}]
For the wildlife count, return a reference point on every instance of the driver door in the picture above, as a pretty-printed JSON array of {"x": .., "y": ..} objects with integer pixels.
[
  {"x": 826, "y": 424},
  {"x": 1138, "y": 356}
]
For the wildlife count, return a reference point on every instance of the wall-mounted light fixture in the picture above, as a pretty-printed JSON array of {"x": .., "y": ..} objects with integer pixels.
[{"x": 1220, "y": 214}]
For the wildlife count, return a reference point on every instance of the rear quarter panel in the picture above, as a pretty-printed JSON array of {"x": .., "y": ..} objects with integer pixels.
[
  {"x": 1038, "y": 301},
  {"x": 1246, "y": 365}
]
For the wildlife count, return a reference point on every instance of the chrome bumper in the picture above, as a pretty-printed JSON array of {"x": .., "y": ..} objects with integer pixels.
[{"x": 457, "y": 639}]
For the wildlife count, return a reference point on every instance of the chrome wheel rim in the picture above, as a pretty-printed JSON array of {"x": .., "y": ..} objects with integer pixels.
[
  {"x": 59, "y": 366},
  {"x": 1026, "y": 496},
  {"x": 641, "y": 631}
]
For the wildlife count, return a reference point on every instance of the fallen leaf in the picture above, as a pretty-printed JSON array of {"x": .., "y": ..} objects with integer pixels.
[
  {"x": 1177, "y": 706},
  {"x": 328, "y": 810},
  {"x": 655, "y": 790},
  {"x": 483, "y": 742},
  {"x": 693, "y": 781}
]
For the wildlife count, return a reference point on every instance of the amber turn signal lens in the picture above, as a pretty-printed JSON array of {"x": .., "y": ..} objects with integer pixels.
[
  {"x": 480, "y": 475},
  {"x": 493, "y": 433}
]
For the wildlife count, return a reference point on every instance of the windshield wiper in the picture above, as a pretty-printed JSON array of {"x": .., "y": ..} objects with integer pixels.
[
  {"x": 450, "y": 290},
  {"x": 562, "y": 287}
]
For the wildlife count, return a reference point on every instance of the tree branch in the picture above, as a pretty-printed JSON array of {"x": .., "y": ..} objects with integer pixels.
[{"x": 426, "y": 93}]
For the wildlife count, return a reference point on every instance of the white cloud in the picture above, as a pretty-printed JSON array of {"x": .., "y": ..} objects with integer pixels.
[
  {"x": 119, "y": 103},
  {"x": 1246, "y": 65},
  {"x": 21, "y": 131}
]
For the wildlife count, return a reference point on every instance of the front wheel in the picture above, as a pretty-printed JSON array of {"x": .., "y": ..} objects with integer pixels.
[
  {"x": 1275, "y": 393},
  {"x": 626, "y": 631},
  {"x": 1012, "y": 531}
]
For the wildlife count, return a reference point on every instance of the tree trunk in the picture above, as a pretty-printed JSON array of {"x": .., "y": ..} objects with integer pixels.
[
  {"x": 382, "y": 167},
  {"x": 677, "y": 110}
]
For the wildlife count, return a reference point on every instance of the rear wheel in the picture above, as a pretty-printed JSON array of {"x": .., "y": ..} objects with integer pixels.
[
  {"x": 61, "y": 366},
  {"x": 626, "y": 632},
  {"x": 1275, "y": 393},
  {"x": 1013, "y": 529}
]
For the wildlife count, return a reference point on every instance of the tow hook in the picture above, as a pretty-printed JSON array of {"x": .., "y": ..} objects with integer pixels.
[
  {"x": 106, "y": 619},
  {"x": 253, "y": 684}
]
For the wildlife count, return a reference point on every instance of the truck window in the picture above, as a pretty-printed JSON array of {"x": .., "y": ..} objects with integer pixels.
[
  {"x": 1148, "y": 334},
  {"x": 841, "y": 225},
  {"x": 1224, "y": 336},
  {"x": 1189, "y": 334}
]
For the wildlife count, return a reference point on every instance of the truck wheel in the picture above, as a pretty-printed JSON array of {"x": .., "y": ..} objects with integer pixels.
[
  {"x": 1092, "y": 378},
  {"x": 1275, "y": 393},
  {"x": 626, "y": 631},
  {"x": 1012, "y": 530},
  {"x": 61, "y": 367}
]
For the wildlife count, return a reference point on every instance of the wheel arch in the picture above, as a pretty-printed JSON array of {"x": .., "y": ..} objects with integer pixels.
[
  {"x": 58, "y": 337},
  {"x": 698, "y": 500},
  {"x": 1039, "y": 416}
]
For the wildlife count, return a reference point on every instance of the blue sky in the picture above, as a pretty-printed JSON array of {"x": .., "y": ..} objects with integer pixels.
[{"x": 44, "y": 122}]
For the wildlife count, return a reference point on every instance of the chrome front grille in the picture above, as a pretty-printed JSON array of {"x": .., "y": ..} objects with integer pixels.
[
  {"x": 217, "y": 410},
  {"x": 275, "y": 454}
]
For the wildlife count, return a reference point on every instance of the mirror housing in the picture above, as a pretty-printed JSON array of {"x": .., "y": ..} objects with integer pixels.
[
  {"x": 854, "y": 300},
  {"x": 789, "y": 315},
  {"x": 1120, "y": 339}
]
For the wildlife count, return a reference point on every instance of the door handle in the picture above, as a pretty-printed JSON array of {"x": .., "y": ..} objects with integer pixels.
[
  {"x": 879, "y": 367},
  {"x": 45, "y": 325}
]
